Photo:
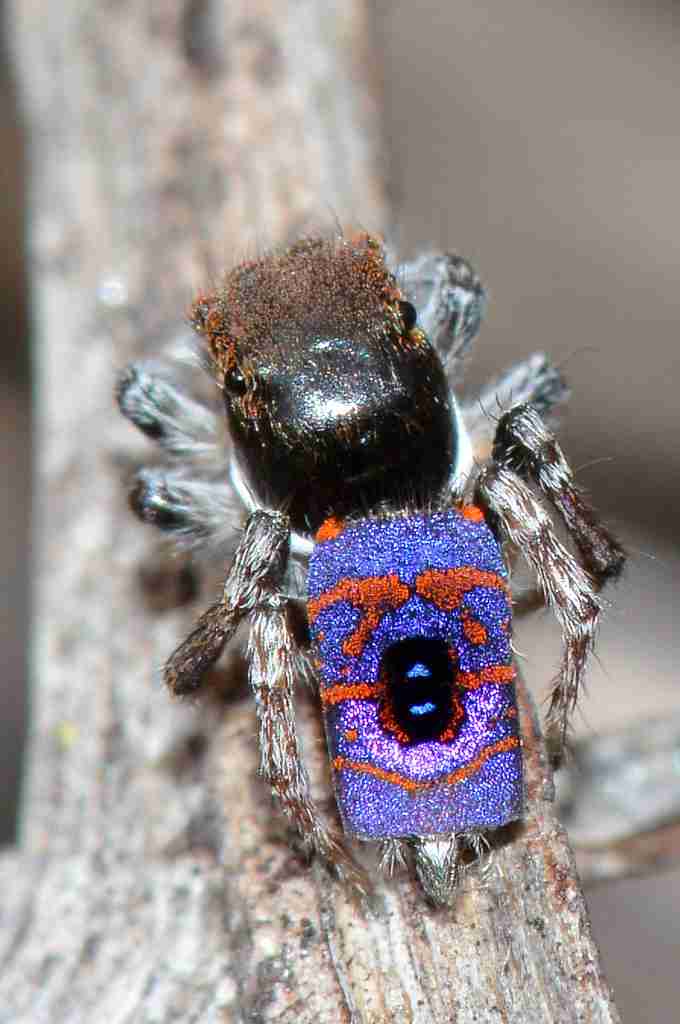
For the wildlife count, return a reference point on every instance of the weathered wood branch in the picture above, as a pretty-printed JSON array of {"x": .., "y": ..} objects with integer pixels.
[{"x": 152, "y": 882}]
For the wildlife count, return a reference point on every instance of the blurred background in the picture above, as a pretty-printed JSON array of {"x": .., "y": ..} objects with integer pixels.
[
  {"x": 542, "y": 141},
  {"x": 15, "y": 454}
]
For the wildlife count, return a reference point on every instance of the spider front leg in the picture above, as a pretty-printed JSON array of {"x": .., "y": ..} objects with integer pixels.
[
  {"x": 148, "y": 396},
  {"x": 567, "y": 588},
  {"x": 188, "y": 499}
]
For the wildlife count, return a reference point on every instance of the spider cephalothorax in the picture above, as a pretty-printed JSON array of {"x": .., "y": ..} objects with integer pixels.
[
  {"x": 368, "y": 492},
  {"x": 329, "y": 387}
]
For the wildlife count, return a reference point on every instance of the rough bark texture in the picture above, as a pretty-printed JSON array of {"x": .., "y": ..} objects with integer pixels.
[{"x": 153, "y": 882}]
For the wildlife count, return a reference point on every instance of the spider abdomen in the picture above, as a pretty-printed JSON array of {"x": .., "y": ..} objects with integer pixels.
[{"x": 411, "y": 622}]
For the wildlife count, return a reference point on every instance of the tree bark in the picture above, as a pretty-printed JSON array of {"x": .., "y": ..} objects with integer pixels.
[{"x": 153, "y": 881}]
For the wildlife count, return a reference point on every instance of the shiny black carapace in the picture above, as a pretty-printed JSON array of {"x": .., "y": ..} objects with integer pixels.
[{"x": 334, "y": 396}]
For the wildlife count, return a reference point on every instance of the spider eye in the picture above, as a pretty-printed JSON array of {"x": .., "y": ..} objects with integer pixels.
[{"x": 408, "y": 315}]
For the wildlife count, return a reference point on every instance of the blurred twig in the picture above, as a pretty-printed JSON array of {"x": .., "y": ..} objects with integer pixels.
[{"x": 620, "y": 800}]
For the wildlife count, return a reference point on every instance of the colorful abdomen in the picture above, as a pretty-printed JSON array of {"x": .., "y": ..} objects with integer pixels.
[{"x": 411, "y": 623}]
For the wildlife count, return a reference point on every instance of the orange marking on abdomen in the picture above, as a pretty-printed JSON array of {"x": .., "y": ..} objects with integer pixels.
[
  {"x": 473, "y": 513},
  {"x": 373, "y": 595},
  {"x": 474, "y": 631},
  {"x": 330, "y": 529},
  {"x": 446, "y": 587},
  {"x": 501, "y": 747},
  {"x": 500, "y": 674},
  {"x": 353, "y": 691}
]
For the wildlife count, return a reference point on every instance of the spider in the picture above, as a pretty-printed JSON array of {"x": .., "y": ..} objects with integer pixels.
[{"x": 393, "y": 514}]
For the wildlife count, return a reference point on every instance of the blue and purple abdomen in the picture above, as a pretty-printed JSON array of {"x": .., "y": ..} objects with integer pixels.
[{"x": 411, "y": 622}]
